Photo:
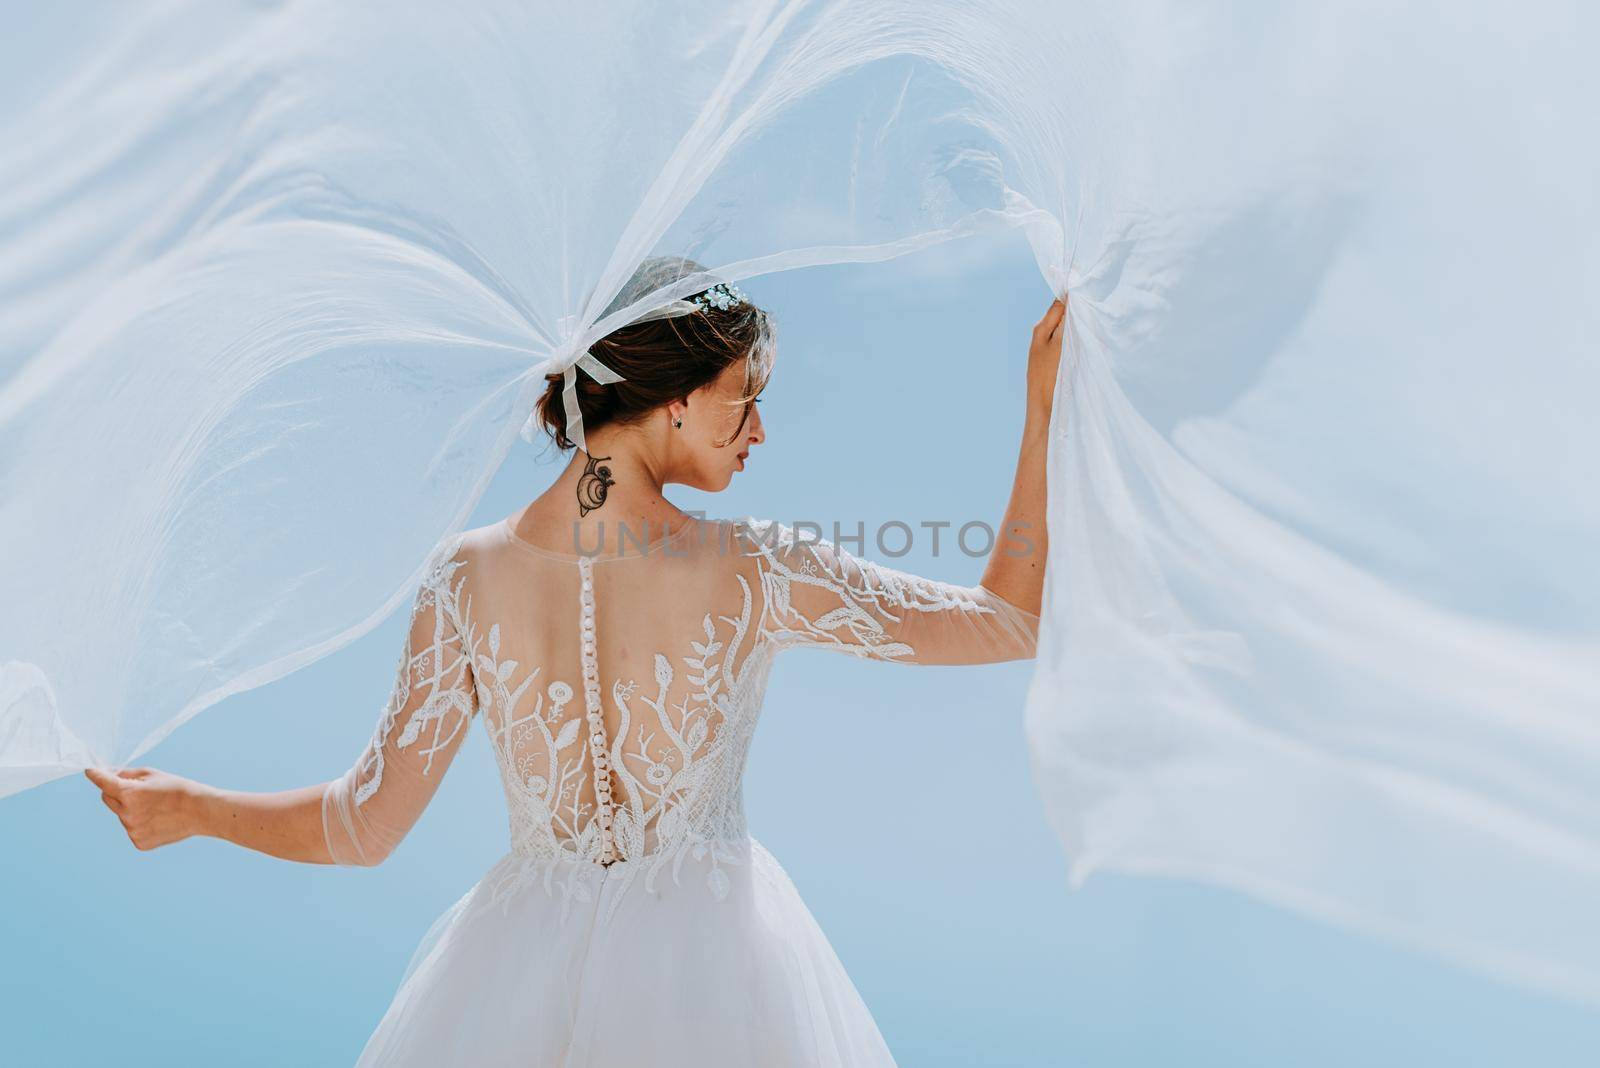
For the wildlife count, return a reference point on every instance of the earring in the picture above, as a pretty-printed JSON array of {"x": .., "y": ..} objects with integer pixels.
[{"x": 678, "y": 423}]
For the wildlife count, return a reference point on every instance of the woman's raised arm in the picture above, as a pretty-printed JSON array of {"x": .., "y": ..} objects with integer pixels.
[
  {"x": 816, "y": 594},
  {"x": 1016, "y": 566}
]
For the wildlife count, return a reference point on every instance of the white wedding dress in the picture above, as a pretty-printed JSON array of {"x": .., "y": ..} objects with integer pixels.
[{"x": 634, "y": 920}]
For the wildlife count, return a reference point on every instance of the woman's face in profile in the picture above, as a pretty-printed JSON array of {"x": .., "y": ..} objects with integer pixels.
[{"x": 712, "y": 445}]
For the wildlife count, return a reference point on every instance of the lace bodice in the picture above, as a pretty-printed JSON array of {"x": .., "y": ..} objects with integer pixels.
[{"x": 620, "y": 693}]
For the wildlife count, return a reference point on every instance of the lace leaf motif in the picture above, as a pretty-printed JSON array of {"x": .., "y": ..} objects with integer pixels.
[{"x": 440, "y": 671}]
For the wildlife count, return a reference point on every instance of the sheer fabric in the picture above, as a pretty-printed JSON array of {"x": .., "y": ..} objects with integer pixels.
[
  {"x": 1321, "y": 618},
  {"x": 369, "y": 809},
  {"x": 684, "y": 634}
]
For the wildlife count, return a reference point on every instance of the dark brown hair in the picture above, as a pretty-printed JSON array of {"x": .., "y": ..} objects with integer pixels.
[{"x": 666, "y": 359}]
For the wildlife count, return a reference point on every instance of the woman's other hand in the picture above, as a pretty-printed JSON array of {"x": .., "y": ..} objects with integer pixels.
[
  {"x": 1044, "y": 357},
  {"x": 156, "y": 808}
]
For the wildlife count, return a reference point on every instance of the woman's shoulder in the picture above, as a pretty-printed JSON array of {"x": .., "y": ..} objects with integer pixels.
[
  {"x": 763, "y": 534},
  {"x": 750, "y": 535},
  {"x": 738, "y": 540},
  {"x": 461, "y": 547},
  {"x": 774, "y": 545}
]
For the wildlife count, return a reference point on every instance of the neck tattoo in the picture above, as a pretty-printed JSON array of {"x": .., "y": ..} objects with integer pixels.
[{"x": 592, "y": 485}]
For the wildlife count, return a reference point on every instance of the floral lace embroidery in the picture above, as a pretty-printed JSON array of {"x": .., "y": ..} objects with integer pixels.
[
  {"x": 442, "y": 667},
  {"x": 677, "y": 758},
  {"x": 868, "y": 595},
  {"x": 689, "y": 795},
  {"x": 679, "y": 762}
]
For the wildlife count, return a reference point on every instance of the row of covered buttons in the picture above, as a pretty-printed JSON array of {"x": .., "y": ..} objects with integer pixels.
[{"x": 598, "y": 749}]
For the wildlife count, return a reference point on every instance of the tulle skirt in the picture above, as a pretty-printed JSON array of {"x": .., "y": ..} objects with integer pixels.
[{"x": 576, "y": 965}]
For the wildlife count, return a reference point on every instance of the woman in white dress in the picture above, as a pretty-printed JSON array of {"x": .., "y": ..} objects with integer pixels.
[{"x": 616, "y": 651}]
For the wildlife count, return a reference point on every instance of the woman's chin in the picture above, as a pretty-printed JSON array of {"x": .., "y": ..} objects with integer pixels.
[{"x": 712, "y": 483}]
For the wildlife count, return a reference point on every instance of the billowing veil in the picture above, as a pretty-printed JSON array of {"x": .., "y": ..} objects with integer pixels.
[{"x": 280, "y": 282}]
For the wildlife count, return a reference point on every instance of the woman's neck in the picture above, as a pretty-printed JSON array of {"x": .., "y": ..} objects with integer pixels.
[{"x": 605, "y": 502}]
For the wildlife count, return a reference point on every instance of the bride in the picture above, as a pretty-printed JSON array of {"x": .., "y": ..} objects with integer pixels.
[{"x": 616, "y": 651}]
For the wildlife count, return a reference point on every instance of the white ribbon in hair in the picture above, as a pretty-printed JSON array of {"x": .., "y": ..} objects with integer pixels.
[
  {"x": 569, "y": 357},
  {"x": 569, "y": 392}
]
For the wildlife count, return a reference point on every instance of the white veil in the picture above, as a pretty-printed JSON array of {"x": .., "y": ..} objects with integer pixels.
[{"x": 280, "y": 282}]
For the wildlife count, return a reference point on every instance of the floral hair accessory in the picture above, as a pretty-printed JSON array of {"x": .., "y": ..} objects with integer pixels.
[{"x": 720, "y": 296}]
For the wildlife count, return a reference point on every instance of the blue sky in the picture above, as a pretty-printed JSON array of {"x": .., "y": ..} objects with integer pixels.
[{"x": 939, "y": 883}]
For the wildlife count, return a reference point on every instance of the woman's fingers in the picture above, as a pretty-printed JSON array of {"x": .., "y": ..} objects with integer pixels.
[
  {"x": 148, "y": 802},
  {"x": 1044, "y": 357},
  {"x": 115, "y": 782},
  {"x": 1051, "y": 321},
  {"x": 1048, "y": 330},
  {"x": 106, "y": 780}
]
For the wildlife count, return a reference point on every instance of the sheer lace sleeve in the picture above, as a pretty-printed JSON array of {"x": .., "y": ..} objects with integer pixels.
[
  {"x": 818, "y": 594},
  {"x": 367, "y": 811}
]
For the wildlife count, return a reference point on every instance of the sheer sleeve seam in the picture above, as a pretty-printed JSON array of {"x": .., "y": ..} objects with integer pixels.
[{"x": 1008, "y": 602}]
